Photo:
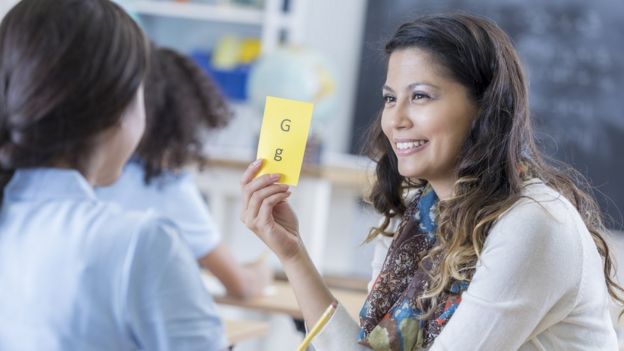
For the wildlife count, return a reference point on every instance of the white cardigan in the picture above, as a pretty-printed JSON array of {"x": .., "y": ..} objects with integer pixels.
[{"x": 539, "y": 285}]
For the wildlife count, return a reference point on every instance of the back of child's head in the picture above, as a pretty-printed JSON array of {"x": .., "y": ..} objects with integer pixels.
[
  {"x": 182, "y": 104},
  {"x": 68, "y": 70}
]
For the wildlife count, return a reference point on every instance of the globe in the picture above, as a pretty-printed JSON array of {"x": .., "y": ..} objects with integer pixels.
[{"x": 298, "y": 74}]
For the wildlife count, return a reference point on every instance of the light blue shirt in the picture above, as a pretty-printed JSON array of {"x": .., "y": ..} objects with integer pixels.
[
  {"x": 174, "y": 196},
  {"x": 80, "y": 274}
]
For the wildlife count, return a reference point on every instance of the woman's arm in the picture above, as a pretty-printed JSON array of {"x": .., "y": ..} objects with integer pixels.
[{"x": 267, "y": 213}]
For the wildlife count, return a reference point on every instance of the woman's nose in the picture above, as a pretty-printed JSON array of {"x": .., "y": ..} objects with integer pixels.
[{"x": 400, "y": 117}]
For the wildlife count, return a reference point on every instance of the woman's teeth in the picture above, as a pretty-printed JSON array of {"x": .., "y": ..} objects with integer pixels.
[{"x": 410, "y": 144}]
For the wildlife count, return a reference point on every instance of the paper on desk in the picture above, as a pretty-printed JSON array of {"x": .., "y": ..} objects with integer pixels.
[
  {"x": 283, "y": 137},
  {"x": 212, "y": 284},
  {"x": 216, "y": 288}
]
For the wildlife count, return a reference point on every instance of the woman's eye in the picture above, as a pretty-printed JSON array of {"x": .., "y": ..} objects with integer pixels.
[
  {"x": 389, "y": 99},
  {"x": 419, "y": 96}
]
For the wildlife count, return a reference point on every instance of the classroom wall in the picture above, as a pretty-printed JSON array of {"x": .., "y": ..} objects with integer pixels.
[
  {"x": 343, "y": 22},
  {"x": 5, "y": 6}
]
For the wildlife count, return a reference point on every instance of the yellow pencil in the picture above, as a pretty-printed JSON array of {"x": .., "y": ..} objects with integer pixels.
[{"x": 329, "y": 312}]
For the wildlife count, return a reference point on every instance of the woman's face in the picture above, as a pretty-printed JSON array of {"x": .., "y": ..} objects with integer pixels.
[{"x": 426, "y": 116}]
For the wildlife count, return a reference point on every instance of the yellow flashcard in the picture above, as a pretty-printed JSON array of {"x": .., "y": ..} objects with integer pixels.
[{"x": 283, "y": 137}]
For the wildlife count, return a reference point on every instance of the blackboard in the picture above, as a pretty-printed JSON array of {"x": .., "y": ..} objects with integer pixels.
[{"x": 573, "y": 53}]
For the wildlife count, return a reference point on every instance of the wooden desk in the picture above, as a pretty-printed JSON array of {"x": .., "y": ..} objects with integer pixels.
[
  {"x": 238, "y": 331},
  {"x": 281, "y": 299}
]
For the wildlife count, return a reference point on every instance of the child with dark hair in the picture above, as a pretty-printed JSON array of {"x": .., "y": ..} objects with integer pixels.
[
  {"x": 182, "y": 105},
  {"x": 78, "y": 273}
]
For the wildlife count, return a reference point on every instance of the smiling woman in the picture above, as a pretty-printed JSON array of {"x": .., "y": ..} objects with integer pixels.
[
  {"x": 495, "y": 250},
  {"x": 426, "y": 118}
]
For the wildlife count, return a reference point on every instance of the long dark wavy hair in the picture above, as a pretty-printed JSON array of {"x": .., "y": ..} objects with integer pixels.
[
  {"x": 68, "y": 70},
  {"x": 497, "y": 155},
  {"x": 181, "y": 104}
]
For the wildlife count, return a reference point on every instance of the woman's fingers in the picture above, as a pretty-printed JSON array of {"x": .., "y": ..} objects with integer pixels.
[
  {"x": 251, "y": 172},
  {"x": 257, "y": 184},
  {"x": 248, "y": 176},
  {"x": 265, "y": 213},
  {"x": 250, "y": 185},
  {"x": 264, "y": 219},
  {"x": 258, "y": 197}
]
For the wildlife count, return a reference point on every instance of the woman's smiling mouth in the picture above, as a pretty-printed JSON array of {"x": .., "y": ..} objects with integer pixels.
[{"x": 408, "y": 147}]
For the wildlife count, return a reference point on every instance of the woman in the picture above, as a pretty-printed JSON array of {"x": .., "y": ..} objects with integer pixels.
[
  {"x": 496, "y": 250},
  {"x": 182, "y": 106},
  {"x": 76, "y": 273}
]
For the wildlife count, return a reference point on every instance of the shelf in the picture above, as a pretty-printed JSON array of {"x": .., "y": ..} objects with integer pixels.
[{"x": 199, "y": 11}]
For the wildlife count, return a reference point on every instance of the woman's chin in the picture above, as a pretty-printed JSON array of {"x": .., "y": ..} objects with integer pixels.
[{"x": 411, "y": 172}]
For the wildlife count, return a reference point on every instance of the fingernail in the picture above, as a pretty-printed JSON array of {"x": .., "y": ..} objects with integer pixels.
[
  {"x": 276, "y": 176},
  {"x": 256, "y": 162}
]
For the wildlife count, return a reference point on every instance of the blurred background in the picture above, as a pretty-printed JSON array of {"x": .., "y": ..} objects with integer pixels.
[{"x": 331, "y": 53}]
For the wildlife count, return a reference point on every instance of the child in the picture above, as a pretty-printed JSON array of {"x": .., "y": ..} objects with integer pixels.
[
  {"x": 182, "y": 104},
  {"x": 77, "y": 273}
]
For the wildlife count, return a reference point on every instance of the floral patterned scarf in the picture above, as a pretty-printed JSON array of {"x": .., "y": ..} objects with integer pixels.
[{"x": 389, "y": 317}]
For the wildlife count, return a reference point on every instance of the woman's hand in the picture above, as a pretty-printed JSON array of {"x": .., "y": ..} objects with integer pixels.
[{"x": 267, "y": 213}]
